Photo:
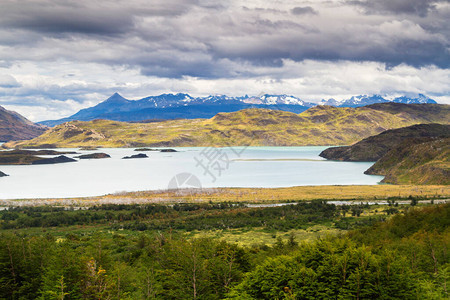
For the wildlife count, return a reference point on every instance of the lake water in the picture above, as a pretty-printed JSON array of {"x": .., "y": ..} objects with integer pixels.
[{"x": 213, "y": 167}]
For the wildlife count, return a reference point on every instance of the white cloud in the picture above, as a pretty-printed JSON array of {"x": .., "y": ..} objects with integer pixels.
[
  {"x": 8, "y": 81},
  {"x": 58, "y": 94},
  {"x": 58, "y": 56}
]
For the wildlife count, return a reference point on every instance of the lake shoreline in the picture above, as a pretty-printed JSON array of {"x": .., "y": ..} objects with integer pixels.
[{"x": 248, "y": 167}]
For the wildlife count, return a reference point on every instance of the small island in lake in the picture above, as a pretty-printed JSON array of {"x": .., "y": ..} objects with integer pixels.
[
  {"x": 94, "y": 156},
  {"x": 156, "y": 150},
  {"x": 140, "y": 155},
  {"x": 30, "y": 157},
  {"x": 53, "y": 160}
]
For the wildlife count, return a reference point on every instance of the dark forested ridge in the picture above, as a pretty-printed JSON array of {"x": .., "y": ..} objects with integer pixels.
[{"x": 404, "y": 257}]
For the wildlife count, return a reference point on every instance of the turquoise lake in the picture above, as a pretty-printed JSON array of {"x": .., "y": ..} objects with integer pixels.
[{"x": 208, "y": 167}]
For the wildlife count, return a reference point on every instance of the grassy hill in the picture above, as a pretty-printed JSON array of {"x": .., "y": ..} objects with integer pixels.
[
  {"x": 320, "y": 125},
  {"x": 416, "y": 162},
  {"x": 418, "y": 154},
  {"x": 375, "y": 147}
]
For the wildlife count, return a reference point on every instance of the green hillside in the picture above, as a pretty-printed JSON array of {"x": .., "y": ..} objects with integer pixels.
[
  {"x": 320, "y": 125},
  {"x": 375, "y": 147},
  {"x": 416, "y": 162}
]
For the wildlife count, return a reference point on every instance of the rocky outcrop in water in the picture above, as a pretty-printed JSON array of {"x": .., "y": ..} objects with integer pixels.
[
  {"x": 53, "y": 160},
  {"x": 140, "y": 155},
  {"x": 30, "y": 157},
  {"x": 94, "y": 156},
  {"x": 155, "y": 150}
]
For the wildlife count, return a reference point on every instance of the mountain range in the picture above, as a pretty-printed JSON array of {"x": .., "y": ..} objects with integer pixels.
[
  {"x": 319, "y": 125},
  {"x": 184, "y": 106},
  {"x": 14, "y": 126},
  {"x": 363, "y": 100}
]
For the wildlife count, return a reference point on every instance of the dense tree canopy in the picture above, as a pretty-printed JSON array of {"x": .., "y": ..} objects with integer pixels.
[{"x": 405, "y": 257}]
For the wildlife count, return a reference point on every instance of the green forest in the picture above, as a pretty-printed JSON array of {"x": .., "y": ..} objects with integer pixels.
[{"x": 149, "y": 252}]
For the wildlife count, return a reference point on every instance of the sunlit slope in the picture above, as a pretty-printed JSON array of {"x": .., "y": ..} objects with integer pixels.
[
  {"x": 320, "y": 125},
  {"x": 416, "y": 163}
]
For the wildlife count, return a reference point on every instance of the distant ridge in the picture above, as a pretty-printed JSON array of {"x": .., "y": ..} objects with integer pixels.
[
  {"x": 363, "y": 100},
  {"x": 14, "y": 126},
  {"x": 184, "y": 106}
]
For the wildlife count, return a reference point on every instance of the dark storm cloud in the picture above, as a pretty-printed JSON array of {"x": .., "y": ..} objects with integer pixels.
[
  {"x": 178, "y": 69},
  {"x": 305, "y": 10},
  {"x": 79, "y": 22},
  {"x": 86, "y": 17},
  {"x": 198, "y": 38},
  {"x": 416, "y": 7},
  {"x": 391, "y": 42}
]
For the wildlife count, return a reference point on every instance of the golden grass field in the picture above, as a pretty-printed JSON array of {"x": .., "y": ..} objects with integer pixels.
[
  {"x": 259, "y": 195},
  {"x": 326, "y": 192}
]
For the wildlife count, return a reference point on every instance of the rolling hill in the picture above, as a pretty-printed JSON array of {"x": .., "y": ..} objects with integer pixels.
[
  {"x": 375, "y": 147},
  {"x": 416, "y": 162},
  {"x": 15, "y": 127},
  {"x": 418, "y": 154},
  {"x": 319, "y": 125}
]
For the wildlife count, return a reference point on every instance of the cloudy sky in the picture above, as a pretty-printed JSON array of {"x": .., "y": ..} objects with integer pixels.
[{"x": 58, "y": 56}]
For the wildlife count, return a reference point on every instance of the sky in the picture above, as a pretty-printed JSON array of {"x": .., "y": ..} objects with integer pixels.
[{"x": 59, "y": 56}]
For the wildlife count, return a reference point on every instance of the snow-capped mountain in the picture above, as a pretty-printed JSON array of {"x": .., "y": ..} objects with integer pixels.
[
  {"x": 330, "y": 102},
  {"x": 420, "y": 99},
  {"x": 363, "y": 100},
  {"x": 267, "y": 99},
  {"x": 166, "y": 100},
  {"x": 172, "y": 106}
]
